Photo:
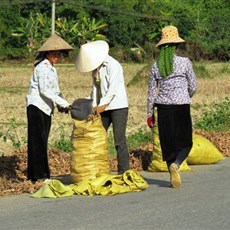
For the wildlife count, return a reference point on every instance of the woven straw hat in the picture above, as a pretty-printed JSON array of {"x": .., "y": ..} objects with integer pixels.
[
  {"x": 55, "y": 43},
  {"x": 91, "y": 55},
  {"x": 170, "y": 35}
]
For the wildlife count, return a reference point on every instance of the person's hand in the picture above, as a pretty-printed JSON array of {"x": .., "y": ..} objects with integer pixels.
[
  {"x": 60, "y": 109},
  {"x": 151, "y": 121},
  {"x": 67, "y": 109},
  {"x": 64, "y": 109},
  {"x": 99, "y": 109}
]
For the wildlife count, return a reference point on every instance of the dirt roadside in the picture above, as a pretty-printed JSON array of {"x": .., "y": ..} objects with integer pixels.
[{"x": 13, "y": 166}]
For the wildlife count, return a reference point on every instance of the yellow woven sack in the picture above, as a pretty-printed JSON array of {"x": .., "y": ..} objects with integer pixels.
[
  {"x": 157, "y": 164},
  {"x": 105, "y": 185},
  {"x": 203, "y": 152},
  {"x": 53, "y": 189},
  {"x": 90, "y": 150}
]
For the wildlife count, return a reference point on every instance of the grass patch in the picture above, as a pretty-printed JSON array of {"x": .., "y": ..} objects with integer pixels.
[
  {"x": 225, "y": 69},
  {"x": 13, "y": 90},
  {"x": 217, "y": 119},
  {"x": 201, "y": 70},
  {"x": 141, "y": 76},
  {"x": 139, "y": 139},
  {"x": 12, "y": 134},
  {"x": 14, "y": 85},
  {"x": 64, "y": 143},
  {"x": 135, "y": 141}
]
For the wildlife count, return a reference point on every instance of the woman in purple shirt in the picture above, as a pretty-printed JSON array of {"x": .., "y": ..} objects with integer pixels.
[{"x": 172, "y": 83}]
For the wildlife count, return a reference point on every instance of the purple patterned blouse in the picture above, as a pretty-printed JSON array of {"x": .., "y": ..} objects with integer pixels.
[{"x": 175, "y": 89}]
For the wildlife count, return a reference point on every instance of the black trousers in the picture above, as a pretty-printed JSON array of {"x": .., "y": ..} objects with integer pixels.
[
  {"x": 175, "y": 132},
  {"x": 118, "y": 118},
  {"x": 39, "y": 125}
]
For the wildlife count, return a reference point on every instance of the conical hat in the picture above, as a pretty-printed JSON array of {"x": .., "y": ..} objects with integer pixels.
[
  {"x": 91, "y": 55},
  {"x": 55, "y": 43},
  {"x": 170, "y": 35}
]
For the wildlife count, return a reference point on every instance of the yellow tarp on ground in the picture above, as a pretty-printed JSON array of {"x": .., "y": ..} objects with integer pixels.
[{"x": 130, "y": 181}]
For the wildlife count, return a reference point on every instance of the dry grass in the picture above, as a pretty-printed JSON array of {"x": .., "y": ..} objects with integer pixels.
[
  {"x": 14, "y": 83},
  {"x": 212, "y": 89}
]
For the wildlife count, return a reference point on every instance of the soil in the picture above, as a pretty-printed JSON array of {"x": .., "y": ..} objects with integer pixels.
[{"x": 13, "y": 166}]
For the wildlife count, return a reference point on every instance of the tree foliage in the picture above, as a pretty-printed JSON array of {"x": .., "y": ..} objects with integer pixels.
[{"x": 124, "y": 24}]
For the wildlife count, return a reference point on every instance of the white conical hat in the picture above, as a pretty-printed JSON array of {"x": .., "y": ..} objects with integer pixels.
[
  {"x": 91, "y": 55},
  {"x": 55, "y": 42}
]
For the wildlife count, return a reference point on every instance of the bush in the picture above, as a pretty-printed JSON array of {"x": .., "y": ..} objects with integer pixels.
[
  {"x": 134, "y": 141},
  {"x": 201, "y": 71},
  {"x": 218, "y": 119},
  {"x": 139, "y": 139},
  {"x": 64, "y": 143},
  {"x": 13, "y": 53}
]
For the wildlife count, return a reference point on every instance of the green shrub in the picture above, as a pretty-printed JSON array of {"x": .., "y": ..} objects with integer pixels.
[
  {"x": 12, "y": 134},
  {"x": 139, "y": 139},
  {"x": 134, "y": 141},
  {"x": 13, "y": 53},
  {"x": 112, "y": 149},
  {"x": 201, "y": 71},
  {"x": 217, "y": 119},
  {"x": 64, "y": 143}
]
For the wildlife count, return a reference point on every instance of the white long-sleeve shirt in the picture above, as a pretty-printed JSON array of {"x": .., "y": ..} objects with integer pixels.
[
  {"x": 44, "y": 90},
  {"x": 112, "y": 85}
]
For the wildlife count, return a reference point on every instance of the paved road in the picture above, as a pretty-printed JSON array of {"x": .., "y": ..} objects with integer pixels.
[{"x": 202, "y": 203}]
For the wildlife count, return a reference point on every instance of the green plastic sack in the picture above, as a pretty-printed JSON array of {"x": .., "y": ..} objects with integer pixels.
[
  {"x": 157, "y": 164},
  {"x": 203, "y": 152},
  {"x": 90, "y": 150}
]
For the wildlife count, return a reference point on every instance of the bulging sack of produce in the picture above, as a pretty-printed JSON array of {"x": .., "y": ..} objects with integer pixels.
[
  {"x": 90, "y": 149},
  {"x": 157, "y": 164},
  {"x": 203, "y": 152}
]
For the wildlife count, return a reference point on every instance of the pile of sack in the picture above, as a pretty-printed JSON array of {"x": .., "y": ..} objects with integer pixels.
[{"x": 202, "y": 152}]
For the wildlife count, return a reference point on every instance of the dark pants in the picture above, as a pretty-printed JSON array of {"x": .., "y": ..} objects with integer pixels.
[
  {"x": 118, "y": 118},
  {"x": 39, "y": 125},
  {"x": 175, "y": 132}
]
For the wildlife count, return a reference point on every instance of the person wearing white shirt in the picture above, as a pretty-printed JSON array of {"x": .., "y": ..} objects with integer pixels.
[
  {"x": 44, "y": 94},
  {"x": 108, "y": 93}
]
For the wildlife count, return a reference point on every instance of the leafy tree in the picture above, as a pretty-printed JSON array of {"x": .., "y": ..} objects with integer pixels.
[
  {"x": 33, "y": 31},
  {"x": 210, "y": 33},
  {"x": 43, "y": 7},
  {"x": 125, "y": 23},
  {"x": 72, "y": 11},
  {"x": 78, "y": 32},
  {"x": 8, "y": 19}
]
